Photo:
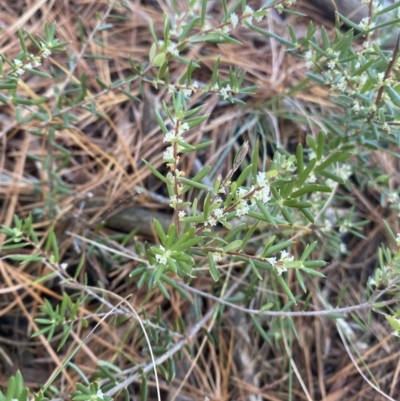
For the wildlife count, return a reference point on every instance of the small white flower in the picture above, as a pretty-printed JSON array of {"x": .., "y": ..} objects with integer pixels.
[
  {"x": 285, "y": 257},
  {"x": 261, "y": 178},
  {"x": 241, "y": 192},
  {"x": 211, "y": 221},
  {"x": 356, "y": 106},
  {"x": 366, "y": 24},
  {"x": 224, "y": 91},
  {"x": 169, "y": 153},
  {"x": 173, "y": 201},
  {"x": 342, "y": 84},
  {"x": 331, "y": 64},
  {"x": 46, "y": 52},
  {"x": 280, "y": 269},
  {"x": 398, "y": 240},
  {"x": 100, "y": 395},
  {"x": 173, "y": 49},
  {"x": 343, "y": 228},
  {"x": 284, "y": 254},
  {"x": 242, "y": 208},
  {"x": 162, "y": 259},
  {"x": 265, "y": 194},
  {"x": 181, "y": 214},
  {"x": 195, "y": 85},
  {"x": 234, "y": 19},
  {"x": 261, "y": 17},
  {"x": 248, "y": 19},
  {"x": 262, "y": 194},
  {"x": 18, "y": 63},
  {"x": 64, "y": 266},
  {"x": 343, "y": 248},
  {"x": 29, "y": 65},
  {"x": 20, "y": 71},
  {"x": 271, "y": 261},
  {"x": 218, "y": 212},
  {"x": 309, "y": 59},
  {"x": 248, "y": 11},
  {"x": 393, "y": 197},
  {"x": 327, "y": 226},
  {"x": 217, "y": 256},
  {"x": 311, "y": 178},
  {"x": 169, "y": 136},
  {"x": 176, "y": 32},
  {"x": 187, "y": 92},
  {"x": 184, "y": 127},
  {"x": 344, "y": 172}
]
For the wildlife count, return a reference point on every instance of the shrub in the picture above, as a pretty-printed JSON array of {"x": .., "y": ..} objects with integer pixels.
[{"x": 250, "y": 234}]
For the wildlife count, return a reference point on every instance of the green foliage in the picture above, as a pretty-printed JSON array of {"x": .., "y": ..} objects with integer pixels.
[
  {"x": 267, "y": 219},
  {"x": 15, "y": 389}
]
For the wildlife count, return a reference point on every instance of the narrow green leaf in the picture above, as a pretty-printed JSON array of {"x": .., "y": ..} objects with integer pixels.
[
  {"x": 162, "y": 289},
  {"x": 213, "y": 269},
  {"x": 320, "y": 145},
  {"x": 233, "y": 246},
  {"x": 393, "y": 95},
  {"x": 160, "y": 122},
  {"x": 22, "y": 41},
  {"x": 243, "y": 175},
  {"x": 260, "y": 329},
  {"x": 198, "y": 177},
  {"x": 312, "y": 272},
  {"x": 305, "y": 190},
  {"x": 26, "y": 102},
  {"x": 193, "y": 219},
  {"x": 308, "y": 215},
  {"x": 337, "y": 156},
  {"x": 254, "y": 160},
  {"x": 286, "y": 214},
  {"x": 203, "y": 12},
  {"x": 160, "y": 231},
  {"x": 300, "y": 160},
  {"x": 38, "y": 73},
  {"x": 278, "y": 247},
  {"x": 195, "y": 184},
  {"x": 268, "y": 34},
  {"x": 159, "y": 60},
  {"x": 286, "y": 289},
  {"x": 249, "y": 235},
  {"x": 130, "y": 96},
  {"x": 300, "y": 281},
  {"x": 144, "y": 389},
  {"x": 32, "y": 39},
  {"x": 307, "y": 251},
  {"x": 307, "y": 171},
  {"x": 155, "y": 172},
  {"x": 254, "y": 269}
]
